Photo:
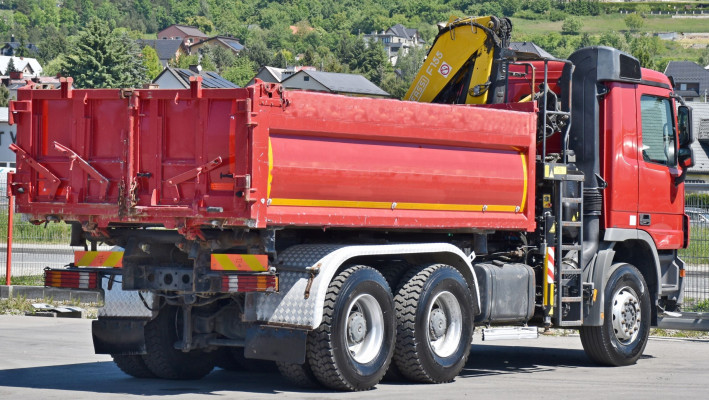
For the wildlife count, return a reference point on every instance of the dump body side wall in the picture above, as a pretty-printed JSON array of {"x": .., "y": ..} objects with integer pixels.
[{"x": 257, "y": 157}]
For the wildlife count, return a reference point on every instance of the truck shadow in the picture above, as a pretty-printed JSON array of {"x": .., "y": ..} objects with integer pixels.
[
  {"x": 105, "y": 377},
  {"x": 485, "y": 360}
]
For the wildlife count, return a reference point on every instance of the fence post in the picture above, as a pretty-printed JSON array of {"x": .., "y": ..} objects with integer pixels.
[{"x": 10, "y": 217}]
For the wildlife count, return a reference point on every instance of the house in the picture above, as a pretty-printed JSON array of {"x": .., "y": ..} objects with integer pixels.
[
  {"x": 188, "y": 34},
  {"x": 10, "y": 48},
  {"x": 179, "y": 78},
  {"x": 333, "y": 82},
  {"x": 28, "y": 66},
  {"x": 397, "y": 40},
  {"x": 700, "y": 127},
  {"x": 227, "y": 42},
  {"x": 691, "y": 80},
  {"x": 7, "y": 136},
  {"x": 277, "y": 75},
  {"x": 167, "y": 49}
]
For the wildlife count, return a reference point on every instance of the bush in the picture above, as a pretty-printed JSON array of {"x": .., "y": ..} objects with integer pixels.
[
  {"x": 571, "y": 26},
  {"x": 557, "y": 15}
]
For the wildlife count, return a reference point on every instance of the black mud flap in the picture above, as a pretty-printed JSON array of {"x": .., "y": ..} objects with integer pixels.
[
  {"x": 276, "y": 343},
  {"x": 119, "y": 336}
]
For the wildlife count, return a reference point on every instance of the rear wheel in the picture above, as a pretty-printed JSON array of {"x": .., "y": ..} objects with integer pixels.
[
  {"x": 133, "y": 366},
  {"x": 623, "y": 336},
  {"x": 162, "y": 359},
  {"x": 434, "y": 324},
  {"x": 352, "y": 347}
]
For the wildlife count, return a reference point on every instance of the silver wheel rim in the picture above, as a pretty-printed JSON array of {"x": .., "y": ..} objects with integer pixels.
[
  {"x": 364, "y": 327},
  {"x": 626, "y": 315},
  {"x": 445, "y": 324}
]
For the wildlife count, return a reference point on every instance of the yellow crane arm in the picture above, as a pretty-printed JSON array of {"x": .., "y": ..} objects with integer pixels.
[{"x": 460, "y": 65}]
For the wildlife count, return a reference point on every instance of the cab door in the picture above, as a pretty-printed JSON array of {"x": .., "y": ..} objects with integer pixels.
[{"x": 660, "y": 200}]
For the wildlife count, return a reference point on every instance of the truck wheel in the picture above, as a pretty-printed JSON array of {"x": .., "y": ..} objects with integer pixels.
[
  {"x": 352, "y": 347},
  {"x": 298, "y": 374},
  {"x": 393, "y": 274},
  {"x": 622, "y": 338},
  {"x": 434, "y": 324},
  {"x": 162, "y": 359},
  {"x": 133, "y": 366}
]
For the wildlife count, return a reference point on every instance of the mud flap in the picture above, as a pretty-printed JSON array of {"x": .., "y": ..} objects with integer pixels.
[
  {"x": 119, "y": 336},
  {"x": 276, "y": 343}
]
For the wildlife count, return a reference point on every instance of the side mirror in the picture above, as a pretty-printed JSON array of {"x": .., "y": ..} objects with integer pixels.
[
  {"x": 685, "y": 157},
  {"x": 684, "y": 124}
]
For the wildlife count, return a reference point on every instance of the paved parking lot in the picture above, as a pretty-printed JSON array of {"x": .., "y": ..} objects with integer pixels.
[{"x": 49, "y": 358}]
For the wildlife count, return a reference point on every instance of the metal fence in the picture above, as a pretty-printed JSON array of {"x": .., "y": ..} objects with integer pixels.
[
  {"x": 696, "y": 256},
  {"x": 35, "y": 248}
]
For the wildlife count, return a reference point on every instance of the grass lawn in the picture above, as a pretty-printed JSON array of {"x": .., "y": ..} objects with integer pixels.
[{"x": 614, "y": 22}]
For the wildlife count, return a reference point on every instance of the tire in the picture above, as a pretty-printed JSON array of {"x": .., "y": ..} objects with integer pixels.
[
  {"x": 433, "y": 294},
  {"x": 393, "y": 274},
  {"x": 133, "y": 366},
  {"x": 352, "y": 347},
  {"x": 162, "y": 359},
  {"x": 627, "y": 306},
  {"x": 298, "y": 374}
]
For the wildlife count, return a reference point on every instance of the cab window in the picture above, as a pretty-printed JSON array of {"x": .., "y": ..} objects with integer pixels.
[{"x": 658, "y": 130}]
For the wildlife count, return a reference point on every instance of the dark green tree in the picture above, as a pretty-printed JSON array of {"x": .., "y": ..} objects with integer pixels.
[
  {"x": 101, "y": 59},
  {"x": 4, "y": 96},
  {"x": 11, "y": 66}
]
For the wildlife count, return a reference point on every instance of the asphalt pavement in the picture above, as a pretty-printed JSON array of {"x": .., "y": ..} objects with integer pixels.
[{"x": 50, "y": 358}]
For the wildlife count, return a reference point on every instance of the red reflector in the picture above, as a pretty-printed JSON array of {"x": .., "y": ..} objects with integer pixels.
[
  {"x": 71, "y": 279},
  {"x": 249, "y": 283}
]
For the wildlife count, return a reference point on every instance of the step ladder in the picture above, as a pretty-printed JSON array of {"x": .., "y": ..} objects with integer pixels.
[{"x": 568, "y": 242}]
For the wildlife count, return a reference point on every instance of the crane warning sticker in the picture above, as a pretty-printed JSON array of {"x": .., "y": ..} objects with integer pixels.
[{"x": 444, "y": 69}]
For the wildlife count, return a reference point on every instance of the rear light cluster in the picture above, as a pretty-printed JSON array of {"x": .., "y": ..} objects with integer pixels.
[
  {"x": 71, "y": 279},
  {"x": 249, "y": 283}
]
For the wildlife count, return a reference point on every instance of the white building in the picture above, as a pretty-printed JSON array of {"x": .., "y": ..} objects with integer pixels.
[{"x": 397, "y": 40}]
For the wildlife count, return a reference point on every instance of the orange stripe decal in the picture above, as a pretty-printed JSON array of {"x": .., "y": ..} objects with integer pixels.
[
  {"x": 239, "y": 262},
  {"x": 98, "y": 259}
]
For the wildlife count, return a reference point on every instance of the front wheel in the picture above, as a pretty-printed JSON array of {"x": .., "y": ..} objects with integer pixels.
[{"x": 622, "y": 338}]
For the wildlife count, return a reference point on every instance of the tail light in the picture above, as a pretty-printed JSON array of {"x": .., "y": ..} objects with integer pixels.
[
  {"x": 71, "y": 279},
  {"x": 249, "y": 283}
]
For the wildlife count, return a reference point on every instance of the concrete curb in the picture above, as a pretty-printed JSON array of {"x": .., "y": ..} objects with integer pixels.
[{"x": 57, "y": 294}]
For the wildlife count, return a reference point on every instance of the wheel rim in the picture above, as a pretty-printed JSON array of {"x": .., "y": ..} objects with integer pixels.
[
  {"x": 364, "y": 328},
  {"x": 626, "y": 315},
  {"x": 445, "y": 324}
]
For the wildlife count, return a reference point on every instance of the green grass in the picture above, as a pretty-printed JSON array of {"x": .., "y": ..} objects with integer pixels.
[
  {"x": 20, "y": 305},
  {"x": 614, "y": 22},
  {"x": 25, "y": 232},
  {"x": 31, "y": 280}
]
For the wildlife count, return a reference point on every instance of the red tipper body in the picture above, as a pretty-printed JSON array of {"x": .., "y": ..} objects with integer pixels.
[{"x": 259, "y": 157}]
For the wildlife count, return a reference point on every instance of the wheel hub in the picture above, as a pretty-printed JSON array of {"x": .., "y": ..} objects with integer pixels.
[
  {"x": 357, "y": 327},
  {"x": 437, "y": 324},
  {"x": 626, "y": 315}
]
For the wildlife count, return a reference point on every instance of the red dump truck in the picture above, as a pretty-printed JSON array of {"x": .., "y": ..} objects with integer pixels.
[{"x": 346, "y": 238}]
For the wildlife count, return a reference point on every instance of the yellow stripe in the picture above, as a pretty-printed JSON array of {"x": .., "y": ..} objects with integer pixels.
[
  {"x": 253, "y": 262},
  {"x": 388, "y": 205},
  {"x": 524, "y": 189},
  {"x": 224, "y": 262},
  {"x": 114, "y": 259},
  {"x": 86, "y": 259},
  {"x": 270, "y": 169}
]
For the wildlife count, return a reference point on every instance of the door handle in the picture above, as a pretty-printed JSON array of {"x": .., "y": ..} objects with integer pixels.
[{"x": 645, "y": 219}]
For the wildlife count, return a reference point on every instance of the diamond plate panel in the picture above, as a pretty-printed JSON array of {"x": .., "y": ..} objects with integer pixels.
[{"x": 124, "y": 303}]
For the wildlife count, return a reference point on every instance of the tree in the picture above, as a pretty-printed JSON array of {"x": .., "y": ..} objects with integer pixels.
[
  {"x": 634, "y": 22},
  {"x": 241, "y": 72},
  {"x": 151, "y": 62},
  {"x": 571, "y": 26},
  {"x": 4, "y": 96},
  {"x": 100, "y": 59},
  {"x": 11, "y": 66}
]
